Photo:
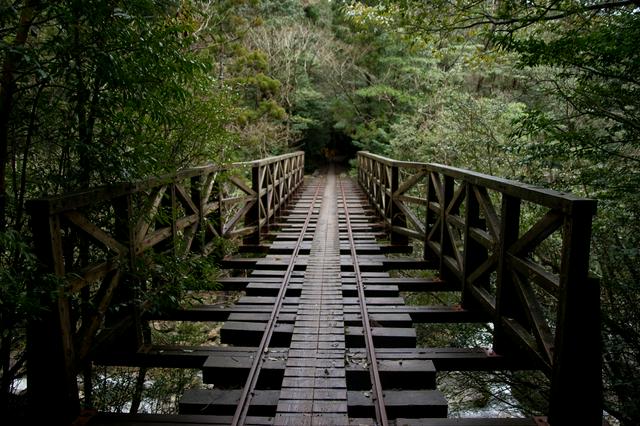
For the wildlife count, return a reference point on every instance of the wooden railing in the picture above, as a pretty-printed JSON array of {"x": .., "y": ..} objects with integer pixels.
[
  {"x": 518, "y": 253},
  {"x": 92, "y": 245}
]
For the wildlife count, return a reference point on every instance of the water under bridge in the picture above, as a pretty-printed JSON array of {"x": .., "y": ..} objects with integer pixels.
[{"x": 320, "y": 333}]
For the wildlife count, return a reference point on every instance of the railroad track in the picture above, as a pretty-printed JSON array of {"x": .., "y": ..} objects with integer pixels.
[{"x": 306, "y": 311}]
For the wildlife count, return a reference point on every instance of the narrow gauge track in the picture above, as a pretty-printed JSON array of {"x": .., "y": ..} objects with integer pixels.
[
  {"x": 242, "y": 409},
  {"x": 328, "y": 186},
  {"x": 376, "y": 384},
  {"x": 319, "y": 338},
  {"x": 321, "y": 335}
]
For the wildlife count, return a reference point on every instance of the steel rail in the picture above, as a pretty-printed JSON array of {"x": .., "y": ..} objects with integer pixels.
[
  {"x": 242, "y": 408},
  {"x": 376, "y": 391}
]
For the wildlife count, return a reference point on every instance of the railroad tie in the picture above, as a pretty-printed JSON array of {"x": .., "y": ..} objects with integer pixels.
[{"x": 314, "y": 388}]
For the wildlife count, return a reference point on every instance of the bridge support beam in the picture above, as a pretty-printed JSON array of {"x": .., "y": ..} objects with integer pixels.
[
  {"x": 52, "y": 388},
  {"x": 576, "y": 382}
]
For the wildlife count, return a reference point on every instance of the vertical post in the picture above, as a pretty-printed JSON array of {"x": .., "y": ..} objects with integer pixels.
[
  {"x": 430, "y": 220},
  {"x": 474, "y": 252},
  {"x": 398, "y": 219},
  {"x": 252, "y": 217},
  {"x": 507, "y": 300},
  {"x": 196, "y": 196},
  {"x": 300, "y": 178},
  {"x": 174, "y": 219},
  {"x": 51, "y": 374},
  {"x": 218, "y": 194},
  {"x": 576, "y": 381},
  {"x": 129, "y": 288},
  {"x": 269, "y": 192},
  {"x": 446, "y": 245}
]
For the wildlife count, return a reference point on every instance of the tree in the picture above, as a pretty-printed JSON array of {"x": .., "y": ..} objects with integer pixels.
[
  {"x": 94, "y": 92},
  {"x": 577, "y": 130}
]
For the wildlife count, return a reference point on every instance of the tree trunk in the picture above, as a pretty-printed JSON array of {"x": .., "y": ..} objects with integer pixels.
[
  {"x": 137, "y": 395},
  {"x": 7, "y": 90}
]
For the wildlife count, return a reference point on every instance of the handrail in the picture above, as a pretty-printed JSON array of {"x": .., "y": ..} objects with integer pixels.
[
  {"x": 517, "y": 252},
  {"x": 547, "y": 197},
  {"x": 94, "y": 241}
]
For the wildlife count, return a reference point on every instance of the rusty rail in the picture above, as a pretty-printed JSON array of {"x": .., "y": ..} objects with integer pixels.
[
  {"x": 242, "y": 409},
  {"x": 517, "y": 252},
  {"x": 95, "y": 243},
  {"x": 376, "y": 384}
]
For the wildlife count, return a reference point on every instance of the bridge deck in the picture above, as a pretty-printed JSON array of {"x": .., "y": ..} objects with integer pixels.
[{"x": 296, "y": 350}]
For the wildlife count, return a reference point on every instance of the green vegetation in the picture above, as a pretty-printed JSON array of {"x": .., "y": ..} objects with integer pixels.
[{"x": 94, "y": 92}]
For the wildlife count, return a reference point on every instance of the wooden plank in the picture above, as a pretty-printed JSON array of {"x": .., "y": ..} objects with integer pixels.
[
  {"x": 548, "y": 281},
  {"x": 119, "y": 419},
  {"x": 410, "y": 284},
  {"x": 95, "y": 232},
  {"x": 550, "y": 198},
  {"x": 294, "y": 289},
  {"x": 444, "y": 359},
  {"x": 380, "y": 320},
  {"x": 471, "y": 422},
  {"x": 407, "y": 404},
  {"x": 437, "y": 314},
  {"x": 229, "y": 369},
  {"x": 223, "y": 402},
  {"x": 266, "y": 300},
  {"x": 382, "y": 336},
  {"x": 251, "y": 333}
]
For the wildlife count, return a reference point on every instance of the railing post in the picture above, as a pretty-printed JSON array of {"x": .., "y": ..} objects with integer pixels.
[
  {"x": 128, "y": 291},
  {"x": 51, "y": 371},
  {"x": 474, "y": 253},
  {"x": 507, "y": 301},
  {"x": 430, "y": 220},
  {"x": 269, "y": 194},
  {"x": 576, "y": 381},
  {"x": 252, "y": 217},
  {"x": 446, "y": 246},
  {"x": 197, "y": 183},
  {"x": 218, "y": 215},
  {"x": 398, "y": 219}
]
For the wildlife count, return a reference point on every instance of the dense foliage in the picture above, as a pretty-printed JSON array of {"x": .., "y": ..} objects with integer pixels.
[
  {"x": 543, "y": 93},
  {"x": 94, "y": 92}
]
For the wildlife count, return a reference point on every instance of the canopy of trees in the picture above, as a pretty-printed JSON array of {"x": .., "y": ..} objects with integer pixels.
[{"x": 97, "y": 91}]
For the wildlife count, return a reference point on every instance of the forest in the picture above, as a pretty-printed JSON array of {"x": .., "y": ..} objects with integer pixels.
[{"x": 94, "y": 92}]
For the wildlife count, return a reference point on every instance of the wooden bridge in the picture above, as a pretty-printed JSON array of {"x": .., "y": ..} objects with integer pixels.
[{"x": 321, "y": 334}]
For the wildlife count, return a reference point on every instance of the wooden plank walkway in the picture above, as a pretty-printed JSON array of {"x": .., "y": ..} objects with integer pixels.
[
  {"x": 315, "y": 382},
  {"x": 315, "y": 367}
]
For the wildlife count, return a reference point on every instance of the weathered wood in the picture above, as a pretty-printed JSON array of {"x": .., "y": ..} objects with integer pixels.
[
  {"x": 475, "y": 254},
  {"x": 553, "y": 199},
  {"x": 507, "y": 302},
  {"x": 462, "y": 235},
  {"x": 54, "y": 391},
  {"x": 116, "y": 225},
  {"x": 444, "y": 359},
  {"x": 409, "y": 403},
  {"x": 250, "y": 333},
  {"x": 577, "y": 332},
  {"x": 472, "y": 422},
  {"x": 223, "y": 402},
  {"x": 400, "y": 404},
  {"x": 383, "y": 337},
  {"x": 493, "y": 242},
  {"x": 113, "y": 419},
  {"x": 398, "y": 218}
]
